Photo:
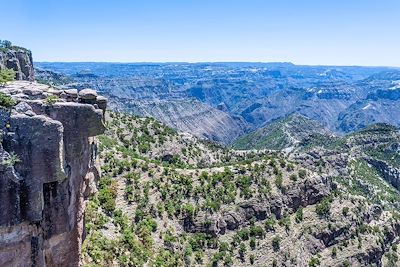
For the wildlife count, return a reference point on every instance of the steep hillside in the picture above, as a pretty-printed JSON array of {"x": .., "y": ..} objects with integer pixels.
[
  {"x": 170, "y": 199},
  {"x": 281, "y": 134},
  {"x": 189, "y": 116}
]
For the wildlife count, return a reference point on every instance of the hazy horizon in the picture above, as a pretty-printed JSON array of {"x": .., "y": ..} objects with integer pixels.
[
  {"x": 311, "y": 32},
  {"x": 213, "y": 62}
]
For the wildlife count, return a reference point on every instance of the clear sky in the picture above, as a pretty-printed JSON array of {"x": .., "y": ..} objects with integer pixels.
[{"x": 341, "y": 32}]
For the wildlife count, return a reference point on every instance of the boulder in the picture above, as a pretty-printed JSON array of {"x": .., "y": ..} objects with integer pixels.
[
  {"x": 71, "y": 92},
  {"x": 23, "y": 108},
  {"x": 88, "y": 94},
  {"x": 70, "y": 95},
  {"x": 33, "y": 93},
  {"x": 101, "y": 101},
  {"x": 232, "y": 220}
]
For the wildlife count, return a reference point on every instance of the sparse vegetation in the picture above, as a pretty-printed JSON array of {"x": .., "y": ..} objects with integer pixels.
[
  {"x": 6, "y": 75},
  {"x": 51, "y": 100},
  {"x": 145, "y": 193},
  {"x": 6, "y": 101},
  {"x": 323, "y": 208},
  {"x": 276, "y": 243},
  {"x": 12, "y": 159}
]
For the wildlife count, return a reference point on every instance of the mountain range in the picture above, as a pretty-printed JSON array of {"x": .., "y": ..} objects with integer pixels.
[{"x": 223, "y": 101}]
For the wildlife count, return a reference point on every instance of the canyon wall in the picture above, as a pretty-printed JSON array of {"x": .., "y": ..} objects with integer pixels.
[{"x": 47, "y": 171}]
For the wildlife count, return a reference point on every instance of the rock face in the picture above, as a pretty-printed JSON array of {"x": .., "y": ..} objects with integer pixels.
[
  {"x": 20, "y": 60},
  {"x": 298, "y": 195},
  {"x": 47, "y": 162}
]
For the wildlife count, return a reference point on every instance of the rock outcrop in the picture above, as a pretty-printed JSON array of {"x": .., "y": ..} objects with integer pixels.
[
  {"x": 20, "y": 60},
  {"x": 298, "y": 195},
  {"x": 47, "y": 164}
]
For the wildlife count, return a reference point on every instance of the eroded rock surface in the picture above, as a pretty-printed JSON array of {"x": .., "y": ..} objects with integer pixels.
[
  {"x": 47, "y": 164},
  {"x": 20, "y": 60}
]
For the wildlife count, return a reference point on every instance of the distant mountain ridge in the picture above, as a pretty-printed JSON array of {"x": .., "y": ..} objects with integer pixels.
[{"x": 342, "y": 99}]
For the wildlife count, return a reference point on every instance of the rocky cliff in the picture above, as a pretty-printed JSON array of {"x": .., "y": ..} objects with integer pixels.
[
  {"x": 18, "y": 59},
  {"x": 47, "y": 167}
]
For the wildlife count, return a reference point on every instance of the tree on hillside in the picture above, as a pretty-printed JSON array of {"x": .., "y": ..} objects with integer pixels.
[
  {"x": 6, "y": 75},
  {"x": 5, "y": 44}
]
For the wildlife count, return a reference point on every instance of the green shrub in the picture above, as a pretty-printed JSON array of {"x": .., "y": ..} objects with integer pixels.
[
  {"x": 345, "y": 211},
  {"x": 6, "y": 100},
  {"x": 270, "y": 224},
  {"x": 5, "y": 44},
  {"x": 314, "y": 262},
  {"x": 198, "y": 256},
  {"x": 244, "y": 234},
  {"x": 276, "y": 243},
  {"x": 189, "y": 210},
  {"x": 51, "y": 100},
  {"x": 107, "y": 194},
  {"x": 299, "y": 214},
  {"x": 279, "y": 181},
  {"x": 228, "y": 260},
  {"x": 252, "y": 243},
  {"x": 334, "y": 252},
  {"x": 302, "y": 174},
  {"x": 6, "y": 75},
  {"x": 252, "y": 258},
  {"x": 257, "y": 231},
  {"x": 242, "y": 251},
  {"x": 12, "y": 160},
  {"x": 293, "y": 177},
  {"x": 323, "y": 208},
  {"x": 286, "y": 222}
]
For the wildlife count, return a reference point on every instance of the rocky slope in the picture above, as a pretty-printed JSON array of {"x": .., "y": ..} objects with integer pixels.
[
  {"x": 18, "y": 59},
  {"x": 170, "y": 199},
  {"x": 47, "y": 170}
]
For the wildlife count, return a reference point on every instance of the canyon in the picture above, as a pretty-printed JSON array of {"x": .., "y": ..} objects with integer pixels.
[
  {"x": 238, "y": 98},
  {"x": 83, "y": 184}
]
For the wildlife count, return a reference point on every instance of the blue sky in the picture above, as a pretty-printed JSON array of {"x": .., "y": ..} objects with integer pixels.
[{"x": 334, "y": 32}]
